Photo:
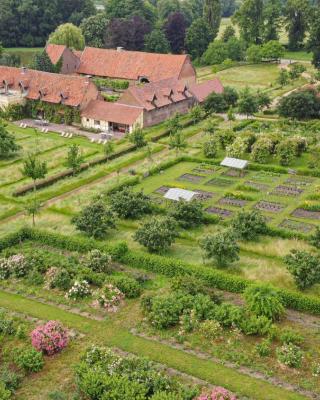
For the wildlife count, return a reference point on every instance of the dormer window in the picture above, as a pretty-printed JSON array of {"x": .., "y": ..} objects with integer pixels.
[
  {"x": 64, "y": 96},
  {"x": 43, "y": 93}
]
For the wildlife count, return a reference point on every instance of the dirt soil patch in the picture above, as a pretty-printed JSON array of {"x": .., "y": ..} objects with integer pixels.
[
  {"x": 297, "y": 226},
  {"x": 302, "y": 213},
  {"x": 221, "y": 212},
  {"x": 190, "y": 178},
  {"x": 204, "y": 171},
  {"x": 219, "y": 182},
  {"x": 298, "y": 181},
  {"x": 269, "y": 207},
  {"x": 202, "y": 195},
  {"x": 257, "y": 185},
  {"x": 230, "y": 201},
  {"x": 291, "y": 191},
  {"x": 162, "y": 190}
]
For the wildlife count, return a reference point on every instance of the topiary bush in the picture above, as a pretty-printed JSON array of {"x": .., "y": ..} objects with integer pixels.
[{"x": 50, "y": 338}]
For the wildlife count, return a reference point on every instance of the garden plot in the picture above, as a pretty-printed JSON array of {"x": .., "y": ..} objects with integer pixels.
[
  {"x": 290, "y": 191},
  {"x": 203, "y": 195},
  {"x": 203, "y": 170},
  {"x": 297, "y": 226},
  {"x": 229, "y": 201},
  {"x": 299, "y": 181},
  {"x": 221, "y": 212},
  {"x": 162, "y": 190},
  {"x": 190, "y": 178},
  {"x": 219, "y": 182},
  {"x": 269, "y": 206},
  {"x": 302, "y": 213},
  {"x": 257, "y": 185},
  {"x": 234, "y": 173}
]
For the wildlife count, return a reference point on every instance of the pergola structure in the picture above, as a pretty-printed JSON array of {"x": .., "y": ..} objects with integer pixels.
[
  {"x": 235, "y": 163},
  {"x": 179, "y": 194}
]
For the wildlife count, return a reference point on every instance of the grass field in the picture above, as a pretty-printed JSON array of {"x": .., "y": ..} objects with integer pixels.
[{"x": 26, "y": 54}]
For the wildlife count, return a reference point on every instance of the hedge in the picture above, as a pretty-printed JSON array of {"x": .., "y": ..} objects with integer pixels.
[
  {"x": 158, "y": 264},
  {"x": 69, "y": 172}
]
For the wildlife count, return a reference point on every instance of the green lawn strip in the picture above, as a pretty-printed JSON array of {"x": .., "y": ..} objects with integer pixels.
[{"x": 109, "y": 334}]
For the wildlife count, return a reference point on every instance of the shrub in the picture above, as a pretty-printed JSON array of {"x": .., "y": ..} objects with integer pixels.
[
  {"x": 264, "y": 301},
  {"x": 35, "y": 278},
  {"x": 304, "y": 267},
  {"x": 6, "y": 324},
  {"x": 286, "y": 152},
  {"x": 255, "y": 325},
  {"x": 79, "y": 290},
  {"x": 187, "y": 214},
  {"x": 188, "y": 322},
  {"x": 129, "y": 204},
  {"x": 188, "y": 284},
  {"x": 228, "y": 315},
  {"x": 210, "y": 147},
  {"x": 218, "y": 393},
  {"x": 157, "y": 234},
  {"x": 128, "y": 286},
  {"x": 98, "y": 261},
  {"x": 261, "y": 150},
  {"x": 248, "y": 225},
  {"x": 5, "y": 269},
  {"x": 109, "y": 297},
  {"x": 10, "y": 379},
  {"x": 210, "y": 329},
  {"x": 263, "y": 348},
  {"x": 222, "y": 247},
  {"x": 289, "y": 355},
  {"x": 50, "y": 338},
  {"x": 5, "y": 394},
  {"x": 30, "y": 360},
  {"x": 95, "y": 220},
  {"x": 61, "y": 280},
  {"x": 289, "y": 336},
  {"x": 302, "y": 104},
  {"x": 225, "y": 138}
]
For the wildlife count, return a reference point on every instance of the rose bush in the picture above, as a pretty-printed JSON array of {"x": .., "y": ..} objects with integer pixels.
[
  {"x": 218, "y": 393},
  {"x": 50, "y": 338}
]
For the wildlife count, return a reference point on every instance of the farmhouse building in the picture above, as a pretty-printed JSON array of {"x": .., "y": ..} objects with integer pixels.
[
  {"x": 69, "y": 59},
  {"x": 18, "y": 85},
  {"x": 135, "y": 66}
]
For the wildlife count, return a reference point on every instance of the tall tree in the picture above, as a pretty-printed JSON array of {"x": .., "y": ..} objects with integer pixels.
[
  {"x": 314, "y": 38},
  {"x": 74, "y": 158},
  {"x": 212, "y": 14},
  {"x": 297, "y": 19},
  {"x": 8, "y": 144},
  {"x": 167, "y": 7},
  {"x": 41, "y": 62},
  {"x": 129, "y": 8},
  {"x": 68, "y": 35},
  {"x": 34, "y": 168},
  {"x": 175, "y": 29},
  {"x": 156, "y": 42},
  {"x": 94, "y": 29},
  {"x": 198, "y": 38},
  {"x": 272, "y": 20},
  {"x": 250, "y": 21}
]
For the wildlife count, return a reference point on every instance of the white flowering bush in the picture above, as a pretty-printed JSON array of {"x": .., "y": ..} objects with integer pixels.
[
  {"x": 79, "y": 290},
  {"x": 5, "y": 270},
  {"x": 50, "y": 277},
  {"x": 210, "y": 329},
  {"x": 289, "y": 355},
  {"x": 109, "y": 298},
  {"x": 316, "y": 369}
]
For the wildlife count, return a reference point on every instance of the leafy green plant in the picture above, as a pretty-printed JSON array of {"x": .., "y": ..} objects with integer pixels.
[
  {"x": 29, "y": 360},
  {"x": 290, "y": 355},
  {"x": 264, "y": 301}
]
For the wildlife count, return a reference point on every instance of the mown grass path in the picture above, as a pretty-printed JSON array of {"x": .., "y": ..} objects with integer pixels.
[{"x": 111, "y": 334}]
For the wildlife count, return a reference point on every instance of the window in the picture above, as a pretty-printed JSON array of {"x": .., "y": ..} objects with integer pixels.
[{"x": 96, "y": 122}]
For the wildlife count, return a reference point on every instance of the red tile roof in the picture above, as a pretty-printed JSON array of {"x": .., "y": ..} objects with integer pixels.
[
  {"x": 202, "y": 90},
  {"x": 130, "y": 65},
  {"x": 112, "y": 112},
  {"x": 55, "y": 88},
  {"x": 55, "y": 52},
  {"x": 157, "y": 94}
]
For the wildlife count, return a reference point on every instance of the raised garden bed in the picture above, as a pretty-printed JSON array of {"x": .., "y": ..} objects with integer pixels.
[
  {"x": 257, "y": 185},
  {"x": 269, "y": 206},
  {"x": 190, "y": 178},
  {"x": 219, "y": 182},
  {"x": 290, "y": 191},
  {"x": 204, "y": 171},
  {"x": 302, "y": 213},
  {"x": 202, "y": 195},
  {"x": 234, "y": 173},
  {"x": 162, "y": 190},
  {"x": 297, "y": 226},
  {"x": 221, "y": 212},
  {"x": 233, "y": 202},
  {"x": 299, "y": 181}
]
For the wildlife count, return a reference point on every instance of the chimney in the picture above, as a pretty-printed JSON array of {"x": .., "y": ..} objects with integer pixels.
[
  {"x": 88, "y": 79},
  {"x": 120, "y": 49},
  {"x": 24, "y": 70}
]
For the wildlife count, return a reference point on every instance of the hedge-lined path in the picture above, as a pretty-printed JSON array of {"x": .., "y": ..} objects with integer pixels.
[{"x": 111, "y": 334}]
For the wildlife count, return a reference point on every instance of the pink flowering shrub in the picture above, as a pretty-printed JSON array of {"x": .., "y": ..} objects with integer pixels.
[
  {"x": 50, "y": 338},
  {"x": 218, "y": 393}
]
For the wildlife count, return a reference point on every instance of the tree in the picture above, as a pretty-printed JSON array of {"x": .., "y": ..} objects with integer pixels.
[
  {"x": 261, "y": 150},
  {"x": 126, "y": 9},
  {"x": 272, "y": 50},
  {"x": 198, "y": 38},
  {"x": 212, "y": 14},
  {"x": 283, "y": 78},
  {"x": 137, "y": 138},
  {"x": 264, "y": 301},
  {"x": 216, "y": 53},
  {"x": 175, "y": 29},
  {"x": 247, "y": 225},
  {"x": 296, "y": 19},
  {"x": 210, "y": 147},
  {"x": 314, "y": 39},
  {"x": 300, "y": 105},
  {"x": 74, "y": 158},
  {"x": 94, "y": 30},
  {"x": 249, "y": 18},
  {"x": 68, "y": 35},
  {"x": 95, "y": 220},
  {"x": 177, "y": 142},
  {"x": 272, "y": 20},
  {"x": 34, "y": 169},
  {"x": 157, "y": 234},
  {"x": 173, "y": 124},
  {"x": 156, "y": 42},
  {"x": 8, "y": 145},
  {"x": 129, "y": 204},
  {"x": 127, "y": 33},
  {"x": 263, "y": 100},
  {"x": 33, "y": 208},
  {"x": 230, "y": 115},
  {"x": 215, "y": 103},
  {"x": 285, "y": 152},
  {"x": 304, "y": 267},
  {"x": 187, "y": 214},
  {"x": 247, "y": 103},
  {"x": 221, "y": 247},
  {"x": 196, "y": 114},
  {"x": 167, "y": 7},
  {"x": 228, "y": 33},
  {"x": 230, "y": 95},
  {"x": 108, "y": 149},
  {"x": 254, "y": 53},
  {"x": 41, "y": 62}
]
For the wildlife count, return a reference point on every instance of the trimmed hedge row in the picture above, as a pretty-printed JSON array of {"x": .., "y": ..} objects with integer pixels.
[
  {"x": 69, "y": 172},
  {"x": 159, "y": 265}
]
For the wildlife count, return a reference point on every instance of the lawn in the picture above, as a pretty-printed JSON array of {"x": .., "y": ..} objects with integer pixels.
[{"x": 26, "y": 54}]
